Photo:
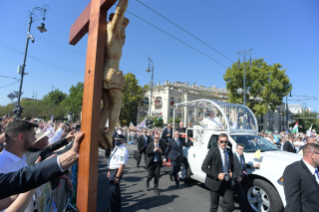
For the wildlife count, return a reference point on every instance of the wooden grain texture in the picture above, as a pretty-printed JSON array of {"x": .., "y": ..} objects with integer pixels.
[
  {"x": 88, "y": 162},
  {"x": 81, "y": 25}
]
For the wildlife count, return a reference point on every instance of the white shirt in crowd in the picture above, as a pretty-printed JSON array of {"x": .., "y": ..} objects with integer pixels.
[
  {"x": 57, "y": 136},
  {"x": 50, "y": 129},
  {"x": 211, "y": 123},
  {"x": 11, "y": 163},
  {"x": 312, "y": 170},
  {"x": 118, "y": 157}
]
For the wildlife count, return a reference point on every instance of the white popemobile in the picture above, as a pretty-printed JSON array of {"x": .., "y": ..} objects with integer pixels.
[{"x": 264, "y": 189}]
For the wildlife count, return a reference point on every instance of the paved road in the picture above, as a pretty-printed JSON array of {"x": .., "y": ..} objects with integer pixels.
[{"x": 189, "y": 197}]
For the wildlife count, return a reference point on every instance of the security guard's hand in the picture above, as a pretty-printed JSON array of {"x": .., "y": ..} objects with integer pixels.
[
  {"x": 116, "y": 180},
  {"x": 239, "y": 179},
  {"x": 230, "y": 173},
  {"x": 221, "y": 176}
]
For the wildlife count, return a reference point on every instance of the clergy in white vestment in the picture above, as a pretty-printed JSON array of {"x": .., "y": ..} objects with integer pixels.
[{"x": 211, "y": 121}]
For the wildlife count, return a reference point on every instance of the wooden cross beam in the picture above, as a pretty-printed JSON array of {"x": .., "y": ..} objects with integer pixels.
[{"x": 93, "y": 21}]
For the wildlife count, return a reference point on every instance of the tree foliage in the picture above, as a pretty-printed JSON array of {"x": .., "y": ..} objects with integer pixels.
[
  {"x": 132, "y": 95},
  {"x": 74, "y": 101},
  {"x": 265, "y": 85},
  {"x": 57, "y": 96},
  {"x": 177, "y": 120},
  {"x": 304, "y": 123}
]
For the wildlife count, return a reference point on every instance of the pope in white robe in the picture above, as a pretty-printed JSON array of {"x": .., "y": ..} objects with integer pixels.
[{"x": 211, "y": 122}]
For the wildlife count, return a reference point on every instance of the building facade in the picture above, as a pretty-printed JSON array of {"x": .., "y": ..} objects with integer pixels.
[
  {"x": 275, "y": 120},
  {"x": 166, "y": 95}
]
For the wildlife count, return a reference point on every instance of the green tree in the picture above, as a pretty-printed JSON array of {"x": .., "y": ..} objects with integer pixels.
[
  {"x": 56, "y": 95},
  {"x": 305, "y": 120},
  {"x": 74, "y": 101},
  {"x": 265, "y": 85},
  {"x": 177, "y": 120},
  {"x": 157, "y": 123},
  {"x": 132, "y": 95}
]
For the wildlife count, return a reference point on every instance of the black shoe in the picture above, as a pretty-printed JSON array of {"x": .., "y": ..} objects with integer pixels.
[
  {"x": 137, "y": 165},
  {"x": 171, "y": 176},
  {"x": 156, "y": 191},
  {"x": 107, "y": 153},
  {"x": 177, "y": 186},
  {"x": 147, "y": 186}
]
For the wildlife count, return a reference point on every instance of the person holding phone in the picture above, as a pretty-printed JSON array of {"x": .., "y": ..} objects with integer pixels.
[{"x": 219, "y": 168}]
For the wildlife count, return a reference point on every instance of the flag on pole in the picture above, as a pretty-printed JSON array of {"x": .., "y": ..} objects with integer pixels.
[
  {"x": 160, "y": 116},
  {"x": 257, "y": 154},
  {"x": 142, "y": 124},
  {"x": 295, "y": 129},
  {"x": 309, "y": 131},
  {"x": 131, "y": 126}
]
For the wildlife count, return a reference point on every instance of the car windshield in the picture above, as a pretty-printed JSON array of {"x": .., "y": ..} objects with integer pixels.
[{"x": 254, "y": 142}]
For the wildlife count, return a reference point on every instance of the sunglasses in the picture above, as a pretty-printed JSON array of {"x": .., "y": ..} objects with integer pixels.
[
  {"x": 156, "y": 137},
  {"x": 223, "y": 142}
]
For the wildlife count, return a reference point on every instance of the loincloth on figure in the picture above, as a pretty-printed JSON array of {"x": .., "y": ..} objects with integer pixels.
[{"x": 113, "y": 79}]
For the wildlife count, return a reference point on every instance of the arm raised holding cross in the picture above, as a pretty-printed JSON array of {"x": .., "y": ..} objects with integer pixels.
[{"x": 113, "y": 80}]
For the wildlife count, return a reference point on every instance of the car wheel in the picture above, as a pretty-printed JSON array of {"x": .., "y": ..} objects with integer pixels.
[
  {"x": 261, "y": 196},
  {"x": 185, "y": 172}
]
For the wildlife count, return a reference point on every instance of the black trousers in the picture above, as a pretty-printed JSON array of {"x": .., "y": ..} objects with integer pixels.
[
  {"x": 228, "y": 198},
  {"x": 241, "y": 197},
  {"x": 142, "y": 152},
  {"x": 154, "y": 171},
  {"x": 115, "y": 192},
  {"x": 176, "y": 167}
]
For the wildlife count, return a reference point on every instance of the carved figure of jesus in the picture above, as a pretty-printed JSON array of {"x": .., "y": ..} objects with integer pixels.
[{"x": 113, "y": 80}]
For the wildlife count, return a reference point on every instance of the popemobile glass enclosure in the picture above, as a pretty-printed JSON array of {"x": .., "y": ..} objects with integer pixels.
[{"x": 224, "y": 116}]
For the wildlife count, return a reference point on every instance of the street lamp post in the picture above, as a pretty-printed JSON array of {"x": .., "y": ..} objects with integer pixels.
[
  {"x": 150, "y": 69},
  {"x": 244, "y": 54},
  {"x": 35, "y": 99},
  {"x": 32, "y": 15},
  {"x": 287, "y": 112}
]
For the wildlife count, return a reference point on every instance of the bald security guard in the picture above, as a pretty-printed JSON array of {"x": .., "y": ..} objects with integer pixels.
[{"x": 116, "y": 166}]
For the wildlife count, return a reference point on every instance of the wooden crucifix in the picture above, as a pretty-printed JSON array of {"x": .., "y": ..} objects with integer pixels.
[{"x": 101, "y": 63}]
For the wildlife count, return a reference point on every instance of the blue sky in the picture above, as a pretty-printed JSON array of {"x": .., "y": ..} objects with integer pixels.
[{"x": 285, "y": 32}]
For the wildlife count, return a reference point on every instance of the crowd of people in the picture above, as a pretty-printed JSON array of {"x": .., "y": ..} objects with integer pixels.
[{"x": 36, "y": 152}]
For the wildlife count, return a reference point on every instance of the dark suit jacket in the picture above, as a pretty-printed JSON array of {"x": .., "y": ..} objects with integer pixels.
[
  {"x": 237, "y": 168},
  {"x": 173, "y": 151},
  {"x": 301, "y": 188},
  {"x": 213, "y": 166},
  {"x": 190, "y": 133},
  {"x": 29, "y": 177},
  {"x": 288, "y": 147},
  {"x": 141, "y": 141},
  {"x": 151, "y": 154},
  {"x": 164, "y": 135},
  {"x": 33, "y": 154}
]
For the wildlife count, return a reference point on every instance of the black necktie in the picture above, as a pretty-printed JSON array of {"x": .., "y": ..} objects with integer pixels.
[{"x": 226, "y": 165}]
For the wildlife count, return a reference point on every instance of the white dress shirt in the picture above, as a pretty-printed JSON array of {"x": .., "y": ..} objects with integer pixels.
[
  {"x": 11, "y": 163},
  {"x": 312, "y": 170},
  {"x": 118, "y": 157}
]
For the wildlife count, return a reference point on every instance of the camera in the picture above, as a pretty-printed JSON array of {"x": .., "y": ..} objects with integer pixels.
[{"x": 32, "y": 38}]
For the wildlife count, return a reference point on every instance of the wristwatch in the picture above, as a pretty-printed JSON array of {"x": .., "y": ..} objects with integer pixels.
[{"x": 116, "y": 177}]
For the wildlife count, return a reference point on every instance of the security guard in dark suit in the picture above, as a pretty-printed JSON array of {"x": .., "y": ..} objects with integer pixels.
[
  {"x": 116, "y": 164},
  {"x": 174, "y": 151},
  {"x": 219, "y": 168},
  {"x": 240, "y": 175}
]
